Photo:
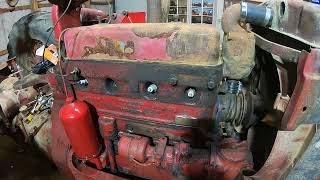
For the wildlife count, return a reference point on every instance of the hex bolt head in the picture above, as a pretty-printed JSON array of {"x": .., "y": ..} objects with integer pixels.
[
  {"x": 83, "y": 82},
  {"x": 173, "y": 81},
  {"x": 191, "y": 93},
  {"x": 76, "y": 71},
  {"x": 152, "y": 88},
  {"x": 211, "y": 84}
]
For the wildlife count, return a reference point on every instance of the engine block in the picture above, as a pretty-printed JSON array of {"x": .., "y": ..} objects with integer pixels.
[{"x": 152, "y": 92}]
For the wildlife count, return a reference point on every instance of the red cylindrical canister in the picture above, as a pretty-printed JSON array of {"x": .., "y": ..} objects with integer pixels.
[{"x": 79, "y": 127}]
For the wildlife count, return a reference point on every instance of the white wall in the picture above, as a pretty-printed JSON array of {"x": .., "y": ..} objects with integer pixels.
[
  {"x": 131, "y": 5},
  {"x": 8, "y": 19}
]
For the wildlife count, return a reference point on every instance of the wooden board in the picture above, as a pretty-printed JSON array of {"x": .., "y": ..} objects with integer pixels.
[{"x": 3, "y": 52}]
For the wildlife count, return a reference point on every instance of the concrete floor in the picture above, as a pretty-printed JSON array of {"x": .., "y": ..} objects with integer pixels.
[{"x": 24, "y": 163}]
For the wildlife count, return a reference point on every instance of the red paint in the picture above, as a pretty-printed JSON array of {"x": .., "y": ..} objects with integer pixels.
[
  {"x": 70, "y": 19},
  {"x": 307, "y": 67},
  {"x": 78, "y": 125},
  {"x": 108, "y": 131},
  {"x": 163, "y": 149},
  {"x": 89, "y": 13},
  {"x": 77, "y": 40},
  {"x": 139, "y": 157},
  {"x": 134, "y": 17}
]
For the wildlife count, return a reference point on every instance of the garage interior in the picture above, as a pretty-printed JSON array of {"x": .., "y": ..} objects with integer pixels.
[{"x": 159, "y": 89}]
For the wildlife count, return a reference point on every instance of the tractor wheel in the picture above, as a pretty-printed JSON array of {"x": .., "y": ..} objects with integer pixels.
[{"x": 27, "y": 35}]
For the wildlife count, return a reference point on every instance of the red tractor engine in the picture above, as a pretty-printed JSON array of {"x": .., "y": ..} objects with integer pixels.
[
  {"x": 152, "y": 92},
  {"x": 170, "y": 100}
]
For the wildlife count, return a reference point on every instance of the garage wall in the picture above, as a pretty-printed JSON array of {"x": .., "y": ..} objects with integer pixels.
[
  {"x": 7, "y": 19},
  {"x": 131, "y": 5}
]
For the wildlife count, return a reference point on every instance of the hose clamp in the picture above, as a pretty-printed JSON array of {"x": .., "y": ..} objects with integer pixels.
[
  {"x": 268, "y": 17},
  {"x": 243, "y": 11}
]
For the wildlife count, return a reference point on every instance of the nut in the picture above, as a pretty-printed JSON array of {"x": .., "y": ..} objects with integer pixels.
[
  {"x": 211, "y": 84},
  {"x": 152, "y": 88},
  {"x": 173, "y": 81},
  {"x": 191, "y": 92}
]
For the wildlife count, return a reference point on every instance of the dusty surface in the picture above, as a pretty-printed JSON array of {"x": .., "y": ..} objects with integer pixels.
[
  {"x": 24, "y": 163},
  {"x": 238, "y": 53},
  {"x": 170, "y": 42}
]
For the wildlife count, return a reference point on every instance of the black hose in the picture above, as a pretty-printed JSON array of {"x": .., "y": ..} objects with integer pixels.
[
  {"x": 256, "y": 14},
  {"x": 248, "y": 13}
]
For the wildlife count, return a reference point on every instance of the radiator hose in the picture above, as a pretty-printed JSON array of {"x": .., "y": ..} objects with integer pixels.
[{"x": 248, "y": 13}]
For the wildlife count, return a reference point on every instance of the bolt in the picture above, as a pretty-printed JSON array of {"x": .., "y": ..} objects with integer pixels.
[
  {"x": 191, "y": 92},
  {"x": 234, "y": 86},
  {"x": 173, "y": 81},
  {"x": 125, "y": 13},
  {"x": 83, "y": 82},
  {"x": 152, "y": 88},
  {"x": 211, "y": 84},
  {"x": 76, "y": 71}
]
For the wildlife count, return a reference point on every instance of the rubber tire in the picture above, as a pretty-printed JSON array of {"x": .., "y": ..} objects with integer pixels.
[{"x": 25, "y": 34}]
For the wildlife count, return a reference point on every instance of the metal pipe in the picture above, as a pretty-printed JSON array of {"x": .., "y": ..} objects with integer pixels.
[
  {"x": 255, "y": 14},
  {"x": 248, "y": 13},
  {"x": 230, "y": 18},
  {"x": 154, "y": 11}
]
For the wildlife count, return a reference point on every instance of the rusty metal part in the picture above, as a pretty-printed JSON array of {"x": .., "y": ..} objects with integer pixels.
[
  {"x": 119, "y": 63},
  {"x": 171, "y": 42},
  {"x": 303, "y": 107},
  {"x": 274, "y": 117},
  {"x": 306, "y": 167},
  {"x": 298, "y": 19},
  {"x": 288, "y": 17},
  {"x": 286, "y": 53},
  {"x": 198, "y": 109},
  {"x": 137, "y": 156},
  {"x": 230, "y": 18},
  {"x": 281, "y": 102},
  {"x": 238, "y": 53},
  {"x": 236, "y": 109},
  {"x": 43, "y": 137},
  {"x": 288, "y": 148},
  {"x": 12, "y": 3}
]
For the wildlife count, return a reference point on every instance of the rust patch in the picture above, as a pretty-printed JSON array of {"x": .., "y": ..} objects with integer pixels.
[
  {"x": 156, "y": 31},
  {"x": 111, "y": 47},
  {"x": 238, "y": 53},
  {"x": 288, "y": 148}
]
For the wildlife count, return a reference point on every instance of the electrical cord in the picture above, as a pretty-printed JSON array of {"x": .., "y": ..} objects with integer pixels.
[
  {"x": 110, "y": 11},
  {"x": 63, "y": 13},
  {"x": 43, "y": 65},
  {"x": 59, "y": 62}
]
